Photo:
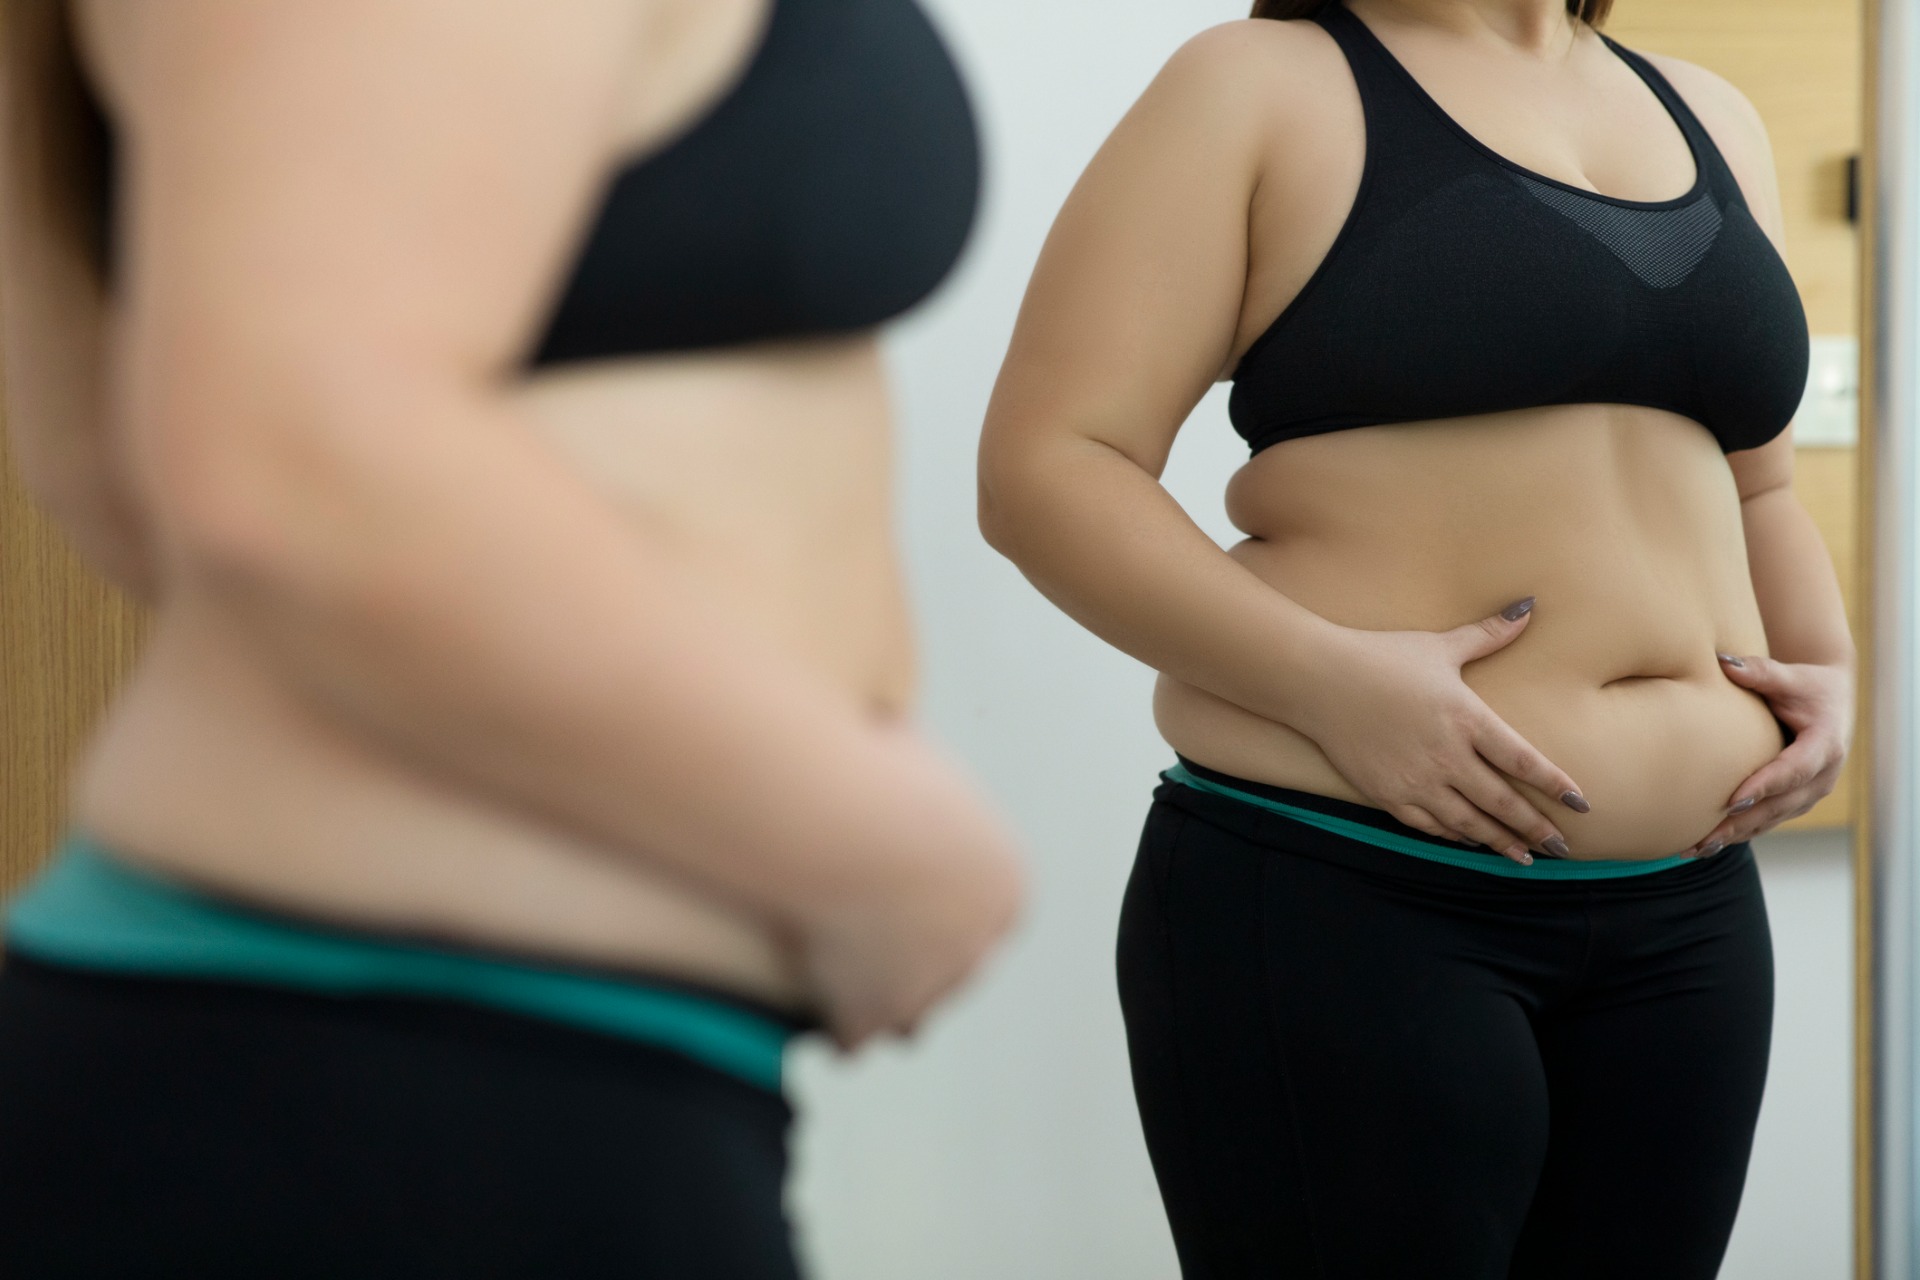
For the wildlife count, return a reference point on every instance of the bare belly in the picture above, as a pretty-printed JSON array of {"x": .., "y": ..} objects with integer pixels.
[
  {"x": 1625, "y": 525},
  {"x": 768, "y": 470}
]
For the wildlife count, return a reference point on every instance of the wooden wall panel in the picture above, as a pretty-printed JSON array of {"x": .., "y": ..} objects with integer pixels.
[
  {"x": 1799, "y": 63},
  {"x": 66, "y": 640},
  {"x": 1827, "y": 481}
]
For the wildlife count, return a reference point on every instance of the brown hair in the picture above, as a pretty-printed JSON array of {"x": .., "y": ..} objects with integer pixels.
[{"x": 1591, "y": 12}]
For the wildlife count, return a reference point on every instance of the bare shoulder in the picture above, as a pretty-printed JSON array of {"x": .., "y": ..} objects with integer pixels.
[
  {"x": 1736, "y": 128},
  {"x": 1252, "y": 45},
  {"x": 1269, "y": 74},
  {"x": 1728, "y": 115}
]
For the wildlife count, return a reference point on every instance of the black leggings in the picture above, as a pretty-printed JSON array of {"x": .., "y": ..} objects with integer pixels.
[
  {"x": 1353, "y": 1063},
  {"x": 161, "y": 1127}
]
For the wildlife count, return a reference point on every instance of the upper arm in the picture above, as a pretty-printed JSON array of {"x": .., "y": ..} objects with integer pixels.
[
  {"x": 1737, "y": 129},
  {"x": 1133, "y": 306},
  {"x": 335, "y": 209}
]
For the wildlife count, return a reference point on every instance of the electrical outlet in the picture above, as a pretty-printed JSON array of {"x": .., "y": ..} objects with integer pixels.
[{"x": 1829, "y": 413}]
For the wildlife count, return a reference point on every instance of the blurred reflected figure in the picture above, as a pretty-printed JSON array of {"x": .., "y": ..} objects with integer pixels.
[
  {"x": 486, "y": 397},
  {"x": 1444, "y": 953}
]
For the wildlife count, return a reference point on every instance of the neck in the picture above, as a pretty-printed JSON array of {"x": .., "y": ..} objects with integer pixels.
[{"x": 1542, "y": 27}]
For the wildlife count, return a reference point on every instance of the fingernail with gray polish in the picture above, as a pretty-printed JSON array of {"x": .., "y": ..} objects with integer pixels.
[
  {"x": 1711, "y": 847},
  {"x": 1730, "y": 660},
  {"x": 1744, "y": 805},
  {"x": 1575, "y": 801},
  {"x": 1517, "y": 610},
  {"x": 1555, "y": 846}
]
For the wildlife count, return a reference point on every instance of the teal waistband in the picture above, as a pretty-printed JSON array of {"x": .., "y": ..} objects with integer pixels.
[
  {"x": 88, "y": 909},
  {"x": 1491, "y": 863}
]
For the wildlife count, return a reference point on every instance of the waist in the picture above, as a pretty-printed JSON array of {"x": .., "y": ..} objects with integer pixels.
[
  {"x": 1364, "y": 824},
  {"x": 90, "y": 909},
  {"x": 1657, "y": 759},
  {"x": 1623, "y": 523},
  {"x": 1627, "y": 510},
  {"x": 210, "y": 767},
  {"x": 767, "y": 472}
]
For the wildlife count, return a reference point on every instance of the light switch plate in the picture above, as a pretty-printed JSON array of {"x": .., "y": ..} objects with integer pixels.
[{"x": 1829, "y": 413}]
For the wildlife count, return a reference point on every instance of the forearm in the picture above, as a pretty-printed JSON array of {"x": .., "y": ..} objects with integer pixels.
[
  {"x": 435, "y": 579},
  {"x": 1794, "y": 581},
  {"x": 1105, "y": 542}
]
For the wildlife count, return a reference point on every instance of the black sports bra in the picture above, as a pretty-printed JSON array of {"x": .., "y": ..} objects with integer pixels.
[
  {"x": 829, "y": 189},
  {"x": 1462, "y": 283}
]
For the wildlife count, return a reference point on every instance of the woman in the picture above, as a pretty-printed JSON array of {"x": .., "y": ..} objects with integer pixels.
[
  {"x": 1444, "y": 953},
  {"x": 487, "y": 398}
]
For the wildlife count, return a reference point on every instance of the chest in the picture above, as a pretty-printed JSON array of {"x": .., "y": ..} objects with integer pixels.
[{"x": 829, "y": 187}]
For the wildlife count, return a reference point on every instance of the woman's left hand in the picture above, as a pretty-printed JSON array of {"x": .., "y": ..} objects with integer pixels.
[{"x": 1815, "y": 700}]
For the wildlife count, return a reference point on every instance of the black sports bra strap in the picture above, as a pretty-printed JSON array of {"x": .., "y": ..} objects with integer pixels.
[
  {"x": 1375, "y": 70},
  {"x": 1463, "y": 283},
  {"x": 1719, "y": 175},
  {"x": 1402, "y": 115},
  {"x": 1662, "y": 88},
  {"x": 1400, "y": 118}
]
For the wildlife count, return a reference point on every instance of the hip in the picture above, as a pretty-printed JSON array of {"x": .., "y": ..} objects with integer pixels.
[
  {"x": 1211, "y": 865},
  {"x": 210, "y": 770},
  {"x": 155, "y": 1124},
  {"x": 90, "y": 912},
  {"x": 1658, "y": 758}
]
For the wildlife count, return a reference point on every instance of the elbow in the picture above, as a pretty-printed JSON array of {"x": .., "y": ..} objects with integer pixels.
[
  {"x": 220, "y": 517},
  {"x": 55, "y": 471},
  {"x": 55, "y": 491},
  {"x": 998, "y": 510},
  {"x": 1009, "y": 897},
  {"x": 992, "y": 518},
  {"x": 252, "y": 496},
  {"x": 73, "y": 488}
]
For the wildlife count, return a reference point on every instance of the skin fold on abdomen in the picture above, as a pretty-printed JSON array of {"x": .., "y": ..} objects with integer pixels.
[{"x": 1624, "y": 524}]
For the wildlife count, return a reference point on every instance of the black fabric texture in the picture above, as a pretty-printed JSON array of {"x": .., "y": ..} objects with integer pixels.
[
  {"x": 1353, "y": 1064},
  {"x": 831, "y": 187},
  {"x": 164, "y": 1128},
  {"x": 1463, "y": 284},
  {"x": 1347, "y": 810},
  {"x": 830, "y": 190}
]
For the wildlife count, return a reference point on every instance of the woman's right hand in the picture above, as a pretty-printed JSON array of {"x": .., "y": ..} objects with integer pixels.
[
  {"x": 881, "y": 954},
  {"x": 1409, "y": 733}
]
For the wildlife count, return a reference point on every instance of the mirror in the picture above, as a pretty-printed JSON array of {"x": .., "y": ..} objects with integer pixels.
[
  {"x": 1009, "y": 1136},
  {"x": 1004, "y": 1141},
  {"x": 1887, "y": 963}
]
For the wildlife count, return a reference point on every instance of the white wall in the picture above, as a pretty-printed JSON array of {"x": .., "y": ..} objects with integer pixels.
[
  {"x": 1796, "y": 1218},
  {"x": 1004, "y": 1143}
]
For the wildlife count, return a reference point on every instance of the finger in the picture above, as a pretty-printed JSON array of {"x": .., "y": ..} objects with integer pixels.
[
  {"x": 1733, "y": 830},
  {"x": 1501, "y": 746},
  {"x": 849, "y": 1036},
  {"x": 1495, "y": 796},
  {"x": 1463, "y": 816},
  {"x": 1419, "y": 819},
  {"x": 1490, "y": 634},
  {"x": 1798, "y": 764},
  {"x": 1760, "y": 673},
  {"x": 1761, "y": 819}
]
